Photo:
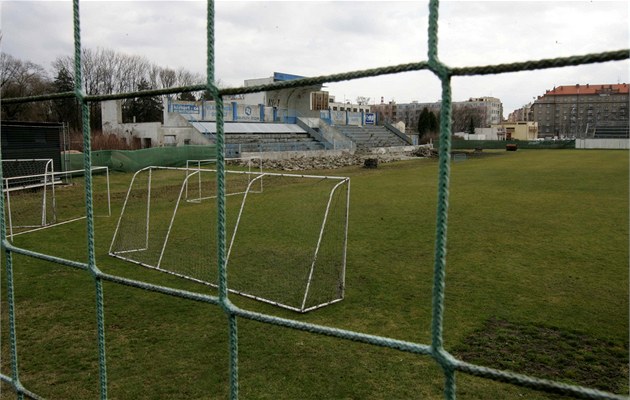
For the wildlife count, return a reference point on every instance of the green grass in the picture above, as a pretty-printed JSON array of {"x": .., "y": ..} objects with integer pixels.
[
  {"x": 537, "y": 240},
  {"x": 540, "y": 350}
]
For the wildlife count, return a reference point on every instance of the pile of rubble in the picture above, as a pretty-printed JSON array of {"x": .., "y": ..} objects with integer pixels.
[
  {"x": 425, "y": 152},
  {"x": 301, "y": 163}
]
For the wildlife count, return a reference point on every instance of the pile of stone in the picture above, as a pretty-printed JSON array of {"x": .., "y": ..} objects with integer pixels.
[
  {"x": 302, "y": 163},
  {"x": 425, "y": 152}
]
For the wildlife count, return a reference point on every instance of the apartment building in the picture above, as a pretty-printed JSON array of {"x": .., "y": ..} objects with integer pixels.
[
  {"x": 487, "y": 110},
  {"x": 583, "y": 111},
  {"x": 521, "y": 114},
  {"x": 386, "y": 112}
]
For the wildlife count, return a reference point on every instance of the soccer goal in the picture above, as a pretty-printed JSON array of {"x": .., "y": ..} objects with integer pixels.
[
  {"x": 286, "y": 244},
  {"x": 198, "y": 189},
  {"x": 34, "y": 172},
  {"x": 35, "y": 175},
  {"x": 47, "y": 199}
]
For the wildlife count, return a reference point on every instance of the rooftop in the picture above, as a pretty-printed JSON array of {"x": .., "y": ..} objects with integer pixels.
[{"x": 621, "y": 88}]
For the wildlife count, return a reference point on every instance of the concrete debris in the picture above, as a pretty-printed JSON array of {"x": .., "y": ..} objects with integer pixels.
[
  {"x": 425, "y": 152},
  {"x": 301, "y": 163}
]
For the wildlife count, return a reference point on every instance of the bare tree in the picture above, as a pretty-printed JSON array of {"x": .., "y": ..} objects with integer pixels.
[
  {"x": 168, "y": 77},
  {"x": 21, "y": 79},
  {"x": 187, "y": 78},
  {"x": 103, "y": 71},
  {"x": 462, "y": 115},
  {"x": 363, "y": 101}
]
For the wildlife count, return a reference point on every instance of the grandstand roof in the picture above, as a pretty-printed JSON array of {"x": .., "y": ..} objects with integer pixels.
[
  {"x": 281, "y": 76},
  {"x": 572, "y": 90},
  {"x": 247, "y": 127}
]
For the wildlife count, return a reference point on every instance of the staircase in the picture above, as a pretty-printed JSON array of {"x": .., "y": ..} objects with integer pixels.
[{"x": 367, "y": 137}]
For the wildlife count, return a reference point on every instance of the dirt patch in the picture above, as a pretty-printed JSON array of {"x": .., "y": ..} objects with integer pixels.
[
  {"x": 549, "y": 353},
  {"x": 476, "y": 153}
]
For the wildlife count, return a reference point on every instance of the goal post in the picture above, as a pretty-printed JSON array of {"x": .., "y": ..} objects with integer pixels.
[
  {"x": 286, "y": 245},
  {"x": 34, "y": 175},
  {"x": 40, "y": 201},
  {"x": 304, "y": 253},
  {"x": 28, "y": 172},
  {"x": 197, "y": 189}
]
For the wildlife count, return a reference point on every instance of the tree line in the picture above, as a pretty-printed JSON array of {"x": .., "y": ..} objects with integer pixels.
[
  {"x": 463, "y": 119},
  {"x": 104, "y": 71}
]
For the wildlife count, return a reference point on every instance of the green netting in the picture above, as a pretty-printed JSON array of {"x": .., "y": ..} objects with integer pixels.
[
  {"x": 449, "y": 364},
  {"x": 135, "y": 160}
]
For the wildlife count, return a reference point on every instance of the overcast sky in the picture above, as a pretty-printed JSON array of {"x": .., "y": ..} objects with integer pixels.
[{"x": 256, "y": 38}]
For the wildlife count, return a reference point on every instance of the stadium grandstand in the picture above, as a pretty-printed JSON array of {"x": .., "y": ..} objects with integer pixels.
[{"x": 273, "y": 121}]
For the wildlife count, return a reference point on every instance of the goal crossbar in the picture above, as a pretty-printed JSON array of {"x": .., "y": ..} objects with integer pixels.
[
  {"x": 193, "y": 165},
  {"x": 254, "y": 178},
  {"x": 45, "y": 180}
]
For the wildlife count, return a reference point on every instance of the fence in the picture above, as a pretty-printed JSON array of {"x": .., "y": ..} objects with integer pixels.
[
  {"x": 602, "y": 144},
  {"x": 522, "y": 144},
  {"x": 448, "y": 363},
  {"x": 134, "y": 160}
]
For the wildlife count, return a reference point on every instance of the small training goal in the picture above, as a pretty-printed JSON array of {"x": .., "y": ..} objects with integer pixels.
[
  {"x": 197, "y": 189},
  {"x": 286, "y": 243},
  {"x": 37, "y": 197}
]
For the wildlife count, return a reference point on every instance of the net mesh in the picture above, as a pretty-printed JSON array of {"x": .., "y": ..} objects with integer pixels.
[
  {"x": 44, "y": 200},
  {"x": 297, "y": 262}
]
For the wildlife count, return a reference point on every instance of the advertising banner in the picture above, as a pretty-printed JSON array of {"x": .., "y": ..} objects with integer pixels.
[
  {"x": 338, "y": 117},
  {"x": 354, "y": 118},
  {"x": 187, "y": 108},
  {"x": 210, "y": 112},
  {"x": 247, "y": 113}
]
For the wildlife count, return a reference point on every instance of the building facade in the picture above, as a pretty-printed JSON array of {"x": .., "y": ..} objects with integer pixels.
[
  {"x": 491, "y": 108},
  {"x": 385, "y": 112},
  {"x": 334, "y": 105},
  {"x": 521, "y": 114},
  {"x": 521, "y": 130},
  {"x": 305, "y": 101},
  {"x": 410, "y": 112},
  {"x": 488, "y": 110},
  {"x": 580, "y": 110}
]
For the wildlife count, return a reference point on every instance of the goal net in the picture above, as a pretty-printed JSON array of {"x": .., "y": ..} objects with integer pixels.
[
  {"x": 32, "y": 182},
  {"x": 28, "y": 172},
  {"x": 286, "y": 244},
  {"x": 39, "y": 201},
  {"x": 203, "y": 187}
]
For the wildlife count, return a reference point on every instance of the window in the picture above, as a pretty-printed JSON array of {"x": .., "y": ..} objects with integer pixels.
[
  {"x": 170, "y": 140},
  {"x": 319, "y": 100}
]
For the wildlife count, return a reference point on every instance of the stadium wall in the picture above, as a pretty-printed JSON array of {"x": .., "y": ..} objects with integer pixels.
[
  {"x": 619, "y": 144},
  {"x": 521, "y": 144}
]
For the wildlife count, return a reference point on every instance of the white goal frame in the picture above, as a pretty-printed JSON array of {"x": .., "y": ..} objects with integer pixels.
[
  {"x": 195, "y": 188},
  {"x": 302, "y": 308},
  {"x": 256, "y": 178},
  {"x": 47, "y": 180},
  {"x": 43, "y": 179}
]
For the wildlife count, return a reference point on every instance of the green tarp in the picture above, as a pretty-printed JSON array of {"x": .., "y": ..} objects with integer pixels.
[{"x": 134, "y": 160}]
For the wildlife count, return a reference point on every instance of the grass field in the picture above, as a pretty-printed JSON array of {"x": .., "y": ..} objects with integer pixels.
[{"x": 536, "y": 282}]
